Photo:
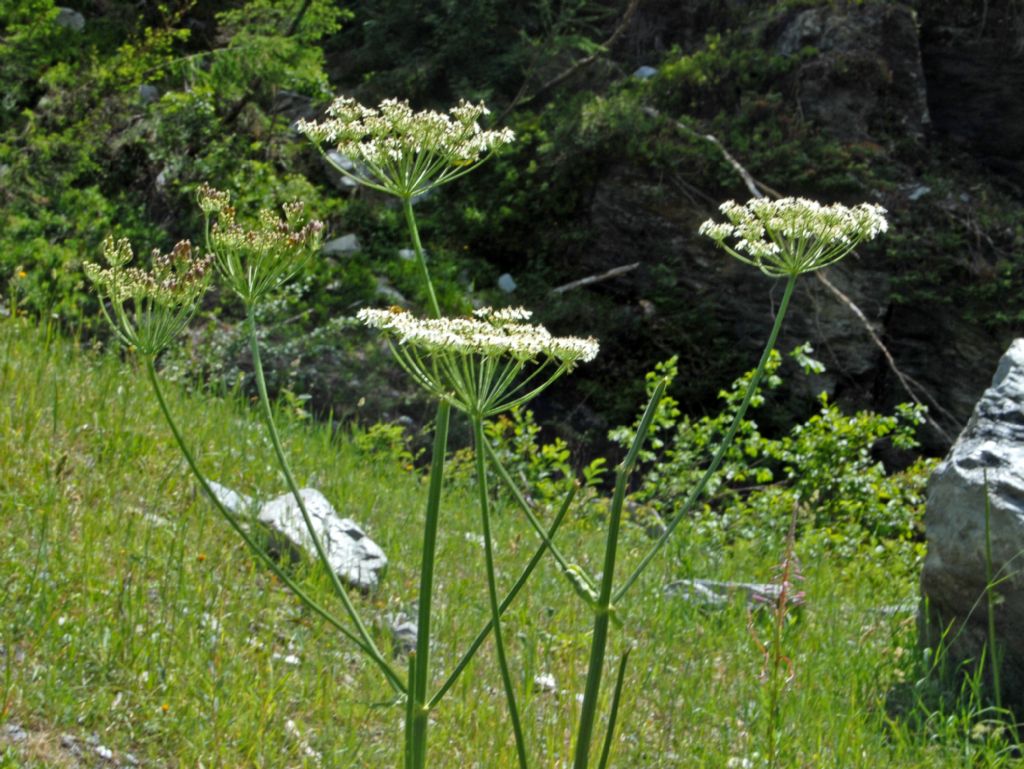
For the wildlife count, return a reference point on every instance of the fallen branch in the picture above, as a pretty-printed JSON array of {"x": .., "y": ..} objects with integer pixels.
[
  {"x": 756, "y": 188},
  {"x": 521, "y": 97},
  {"x": 591, "y": 279}
]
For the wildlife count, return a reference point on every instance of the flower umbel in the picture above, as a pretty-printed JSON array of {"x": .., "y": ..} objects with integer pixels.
[
  {"x": 476, "y": 363},
  {"x": 162, "y": 300},
  {"x": 792, "y": 236},
  {"x": 255, "y": 261},
  {"x": 401, "y": 152}
]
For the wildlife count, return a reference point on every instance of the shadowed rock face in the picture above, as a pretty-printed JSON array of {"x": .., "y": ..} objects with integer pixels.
[
  {"x": 988, "y": 456},
  {"x": 867, "y": 69},
  {"x": 973, "y": 56}
]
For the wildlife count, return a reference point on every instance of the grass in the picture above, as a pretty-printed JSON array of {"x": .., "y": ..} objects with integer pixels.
[{"x": 129, "y": 613}]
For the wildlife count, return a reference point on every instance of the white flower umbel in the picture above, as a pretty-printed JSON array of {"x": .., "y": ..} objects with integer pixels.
[
  {"x": 401, "y": 152},
  {"x": 792, "y": 236},
  {"x": 482, "y": 365}
]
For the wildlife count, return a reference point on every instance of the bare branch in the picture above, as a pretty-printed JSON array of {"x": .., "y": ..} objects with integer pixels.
[
  {"x": 756, "y": 188},
  {"x": 591, "y": 279},
  {"x": 522, "y": 98}
]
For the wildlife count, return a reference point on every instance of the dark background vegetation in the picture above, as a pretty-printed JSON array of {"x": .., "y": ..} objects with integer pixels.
[{"x": 113, "y": 112}]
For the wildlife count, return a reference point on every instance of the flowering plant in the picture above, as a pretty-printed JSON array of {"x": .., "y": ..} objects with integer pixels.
[
  {"x": 792, "y": 236},
  {"x": 404, "y": 153},
  {"x": 481, "y": 365}
]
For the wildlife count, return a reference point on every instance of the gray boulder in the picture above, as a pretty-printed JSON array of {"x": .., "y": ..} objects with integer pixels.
[
  {"x": 354, "y": 557},
  {"x": 69, "y": 18},
  {"x": 989, "y": 453},
  {"x": 343, "y": 246}
]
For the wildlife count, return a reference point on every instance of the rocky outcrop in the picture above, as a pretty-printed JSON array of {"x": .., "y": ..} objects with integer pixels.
[
  {"x": 973, "y": 57},
  {"x": 866, "y": 69},
  {"x": 988, "y": 457}
]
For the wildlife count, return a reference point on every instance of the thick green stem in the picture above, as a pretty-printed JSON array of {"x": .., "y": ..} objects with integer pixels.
[
  {"x": 604, "y": 607},
  {"x": 414, "y": 233},
  {"x": 599, "y": 639},
  {"x": 492, "y": 588},
  {"x": 420, "y": 710},
  {"x": 301, "y": 594},
  {"x": 486, "y": 631},
  {"x": 698, "y": 490},
  {"x": 339, "y": 589}
]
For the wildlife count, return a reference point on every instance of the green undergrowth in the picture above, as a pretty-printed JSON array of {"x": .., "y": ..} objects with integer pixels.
[{"x": 129, "y": 611}]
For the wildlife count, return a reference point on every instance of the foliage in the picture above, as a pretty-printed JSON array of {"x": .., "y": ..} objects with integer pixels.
[
  {"x": 224, "y": 660},
  {"x": 546, "y": 468},
  {"x": 826, "y": 468}
]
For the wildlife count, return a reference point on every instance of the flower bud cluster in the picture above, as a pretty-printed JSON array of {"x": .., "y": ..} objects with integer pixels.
[
  {"x": 149, "y": 308},
  {"x": 176, "y": 278},
  {"x": 402, "y": 152},
  {"x": 792, "y": 236},
  {"x": 257, "y": 260}
]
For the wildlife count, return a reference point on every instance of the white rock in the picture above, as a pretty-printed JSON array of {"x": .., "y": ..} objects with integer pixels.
[
  {"x": 354, "y": 557},
  {"x": 71, "y": 19}
]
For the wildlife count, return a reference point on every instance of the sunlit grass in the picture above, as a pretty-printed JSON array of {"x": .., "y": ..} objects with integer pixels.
[{"x": 131, "y": 612}]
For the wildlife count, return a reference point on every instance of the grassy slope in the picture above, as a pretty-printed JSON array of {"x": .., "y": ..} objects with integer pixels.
[{"x": 130, "y": 611}]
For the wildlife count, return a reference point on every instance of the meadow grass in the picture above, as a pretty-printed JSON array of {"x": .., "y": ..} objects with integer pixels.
[{"x": 130, "y": 611}]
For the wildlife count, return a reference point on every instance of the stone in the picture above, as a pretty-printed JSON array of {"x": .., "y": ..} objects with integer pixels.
[
  {"x": 12, "y": 732},
  {"x": 711, "y": 594},
  {"x": 987, "y": 457},
  {"x": 148, "y": 93},
  {"x": 918, "y": 192},
  {"x": 390, "y": 294},
  {"x": 507, "y": 283},
  {"x": 354, "y": 557},
  {"x": 337, "y": 163},
  {"x": 409, "y": 255},
  {"x": 403, "y": 632},
  {"x": 69, "y": 18},
  {"x": 346, "y": 244},
  {"x": 971, "y": 56}
]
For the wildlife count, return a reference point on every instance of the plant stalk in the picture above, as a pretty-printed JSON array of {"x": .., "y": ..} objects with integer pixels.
[
  {"x": 604, "y": 608},
  {"x": 301, "y": 594},
  {"x": 339, "y": 589},
  {"x": 723, "y": 446},
  {"x": 420, "y": 709},
  {"x": 414, "y": 233},
  {"x": 492, "y": 589},
  {"x": 486, "y": 631}
]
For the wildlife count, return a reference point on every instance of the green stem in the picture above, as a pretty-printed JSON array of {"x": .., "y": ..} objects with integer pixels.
[
  {"x": 301, "y": 594},
  {"x": 990, "y": 600},
  {"x": 293, "y": 488},
  {"x": 613, "y": 714},
  {"x": 722, "y": 448},
  {"x": 486, "y": 631},
  {"x": 524, "y": 505},
  {"x": 420, "y": 710},
  {"x": 492, "y": 590},
  {"x": 414, "y": 233},
  {"x": 604, "y": 608}
]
